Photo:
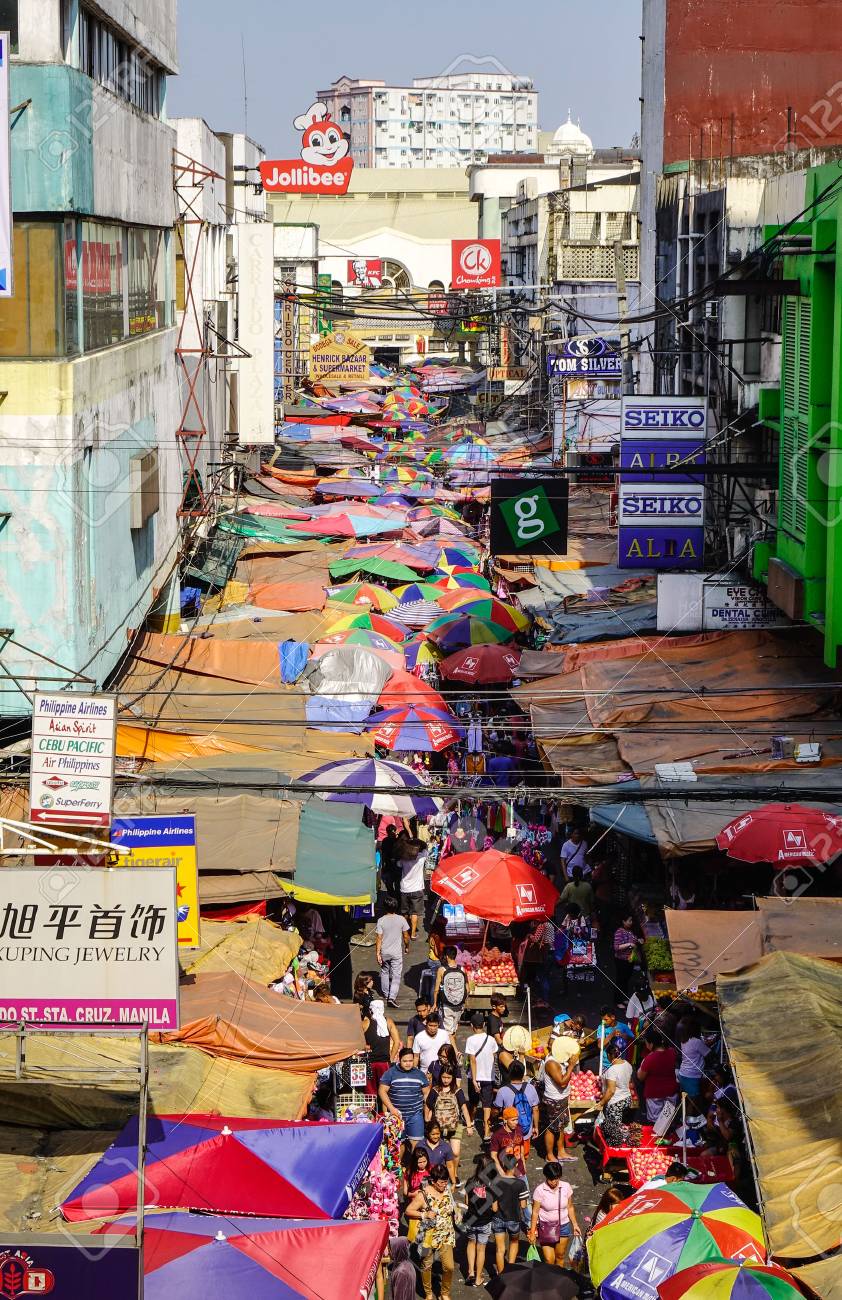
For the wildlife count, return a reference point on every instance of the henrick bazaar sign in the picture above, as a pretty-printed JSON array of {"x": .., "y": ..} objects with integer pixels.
[{"x": 340, "y": 356}]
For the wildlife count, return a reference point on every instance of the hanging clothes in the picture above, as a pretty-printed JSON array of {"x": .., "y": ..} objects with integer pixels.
[
  {"x": 473, "y": 737},
  {"x": 293, "y": 657}
]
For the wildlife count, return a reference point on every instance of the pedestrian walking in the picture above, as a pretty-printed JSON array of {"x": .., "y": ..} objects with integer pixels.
[
  {"x": 481, "y": 1051},
  {"x": 657, "y": 1074},
  {"x": 521, "y": 1096},
  {"x": 447, "y": 1106},
  {"x": 626, "y": 953},
  {"x": 389, "y": 871},
  {"x": 553, "y": 1215},
  {"x": 511, "y": 1199},
  {"x": 403, "y": 1091},
  {"x": 390, "y": 945},
  {"x": 555, "y": 1075},
  {"x": 426, "y": 1044},
  {"x": 616, "y": 1096},
  {"x": 381, "y": 1039},
  {"x": 478, "y": 1217},
  {"x": 433, "y": 1205},
  {"x": 411, "y": 861},
  {"x": 401, "y": 1270},
  {"x": 451, "y": 991}
]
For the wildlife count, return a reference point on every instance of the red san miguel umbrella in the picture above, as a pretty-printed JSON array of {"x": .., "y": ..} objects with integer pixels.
[
  {"x": 781, "y": 834},
  {"x": 495, "y": 886}
]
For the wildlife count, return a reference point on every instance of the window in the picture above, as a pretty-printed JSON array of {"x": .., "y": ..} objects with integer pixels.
[
  {"x": 9, "y": 22},
  {"x": 147, "y": 280},
  {"x": 103, "y": 285},
  {"x": 32, "y": 322},
  {"x": 115, "y": 63}
]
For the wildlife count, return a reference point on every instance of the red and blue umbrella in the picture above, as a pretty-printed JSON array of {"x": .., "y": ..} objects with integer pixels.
[
  {"x": 230, "y": 1166},
  {"x": 414, "y": 727},
  {"x": 208, "y": 1257}
]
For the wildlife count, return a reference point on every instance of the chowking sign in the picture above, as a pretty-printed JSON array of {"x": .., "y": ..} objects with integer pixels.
[
  {"x": 661, "y": 500},
  {"x": 340, "y": 356},
  {"x": 475, "y": 263},
  {"x": 324, "y": 165},
  {"x": 88, "y": 948}
]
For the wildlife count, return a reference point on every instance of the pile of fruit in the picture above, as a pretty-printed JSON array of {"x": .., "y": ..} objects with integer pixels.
[
  {"x": 584, "y": 1086},
  {"x": 647, "y": 1162},
  {"x": 499, "y": 970},
  {"x": 658, "y": 955}
]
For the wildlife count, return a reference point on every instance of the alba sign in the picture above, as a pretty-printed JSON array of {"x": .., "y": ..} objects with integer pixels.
[
  {"x": 475, "y": 263},
  {"x": 324, "y": 166}
]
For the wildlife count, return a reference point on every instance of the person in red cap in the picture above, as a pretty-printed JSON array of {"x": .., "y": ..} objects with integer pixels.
[{"x": 510, "y": 1137}]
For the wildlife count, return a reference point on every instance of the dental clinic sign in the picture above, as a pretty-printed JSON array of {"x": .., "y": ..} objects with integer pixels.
[
  {"x": 528, "y": 516},
  {"x": 662, "y": 502},
  {"x": 324, "y": 165}
]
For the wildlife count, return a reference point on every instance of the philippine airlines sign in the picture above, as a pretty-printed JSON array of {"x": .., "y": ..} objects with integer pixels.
[
  {"x": 475, "y": 263},
  {"x": 324, "y": 166}
]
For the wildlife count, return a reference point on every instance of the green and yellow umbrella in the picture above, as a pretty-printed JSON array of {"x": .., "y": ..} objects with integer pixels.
[
  {"x": 453, "y": 631},
  {"x": 732, "y": 1279},
  {"x": 485, "y": 606},
  {"x": 655, "y": 1234},
  {"x": 365, "y": 593}
]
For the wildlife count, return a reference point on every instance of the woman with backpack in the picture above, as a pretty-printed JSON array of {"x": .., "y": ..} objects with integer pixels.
[
  {"x": 447, "y": 1106},
  {"x": 451, "y": 991},
  {"x": 446, "y": 1059}
]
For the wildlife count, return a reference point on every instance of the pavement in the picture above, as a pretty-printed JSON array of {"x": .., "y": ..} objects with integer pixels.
[{"x": 586, "y": 999}]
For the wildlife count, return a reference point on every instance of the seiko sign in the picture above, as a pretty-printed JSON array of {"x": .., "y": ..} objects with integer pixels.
[{"x": 664, "y": 416}]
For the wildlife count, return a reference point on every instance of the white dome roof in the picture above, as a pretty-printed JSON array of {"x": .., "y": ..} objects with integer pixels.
[{"x": 570, "y": 138}]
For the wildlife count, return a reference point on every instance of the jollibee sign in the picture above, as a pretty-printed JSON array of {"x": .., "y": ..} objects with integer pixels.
[
  {"x": 324, "y": 166},
  {"x": 475, "y": 263}
]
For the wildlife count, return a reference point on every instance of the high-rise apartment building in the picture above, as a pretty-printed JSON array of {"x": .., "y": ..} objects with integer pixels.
[{"x": 445, "y": 121}]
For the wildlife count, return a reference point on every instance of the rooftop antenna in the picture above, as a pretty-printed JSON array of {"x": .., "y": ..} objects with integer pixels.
[{"x": 245, "y": 86}]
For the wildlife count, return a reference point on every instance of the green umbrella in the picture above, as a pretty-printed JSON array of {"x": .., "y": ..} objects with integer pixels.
[{"x": 375, "y": 565}]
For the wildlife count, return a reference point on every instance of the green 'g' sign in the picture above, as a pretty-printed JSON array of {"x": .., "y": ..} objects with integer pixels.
[{"x": 528, "y": 516}]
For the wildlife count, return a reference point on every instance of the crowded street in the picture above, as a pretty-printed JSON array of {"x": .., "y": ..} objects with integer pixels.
[{"x": 420, "y": 705}]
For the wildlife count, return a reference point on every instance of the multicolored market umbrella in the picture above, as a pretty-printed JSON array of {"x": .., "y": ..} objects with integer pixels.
[
  {"x": 730, "y": 1279},
  {"x": 418, "y": 650},
  {"x": 419, "y": 591},
  {"x": 230, "y": 1166},
  {"x": 495, "y": 886},
  {"x": 414, "y": 727},
  {"x": 469, "y": 578},
  {"x": 399, "y": 791},
  {"x": 452, "y": 631},
  {"x": 368, "y": 622},
  {"x": 781, "y": 833},
  {"x": 655, "y": 1234},
  {"x": 211, "y": 1257},
  {"x": 484, "y": 606},
  {"x": 463, "y": 555},
  {"x": 382, "y": 646},
  {"x": 482, "y": 664},
  {"x": 365, "y": 593}
]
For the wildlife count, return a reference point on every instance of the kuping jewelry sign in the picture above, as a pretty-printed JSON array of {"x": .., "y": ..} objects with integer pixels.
[{"x": 89, "y": 948}]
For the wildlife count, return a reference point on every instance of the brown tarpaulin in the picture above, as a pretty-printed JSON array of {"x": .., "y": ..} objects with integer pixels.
[
  {"x": 253, "y": 948},
  {"x": 782, "y": 1021},
  {"x": 238, "y": 1019}
]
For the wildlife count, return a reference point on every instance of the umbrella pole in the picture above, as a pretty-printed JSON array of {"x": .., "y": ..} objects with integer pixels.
[
  {"x": 529, "y": 1010},
  {"x": 484, "y": 940},
  {"x": 684, "y": 1128}
]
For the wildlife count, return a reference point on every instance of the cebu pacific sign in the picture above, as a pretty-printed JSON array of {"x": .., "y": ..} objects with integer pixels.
[
  {"x": 528, "y": 516},
  {"x": 324, "y": 165}
]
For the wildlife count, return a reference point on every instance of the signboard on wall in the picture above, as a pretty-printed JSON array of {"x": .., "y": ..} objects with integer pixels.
[
  {"x": 365, "y": 272},
  {"x": 165, "y": 842},
  {"x": 340, "y": 356},
  {"x": 256, "y": 334},
  {"x": 89, "y": 948},
  {"x": 475, "y": 263},
  {"x": 591, "y": 357},
  {"x": 6, "y": 269},
  {"x": 661, "y": 500},
  {"x": 71, "y": 771},
  {"x": 528, "y": 516},
  {"x": 713, "y": 602},
  {"x": 324, "y": 165},
  {"x": 84, "y": 1266}
]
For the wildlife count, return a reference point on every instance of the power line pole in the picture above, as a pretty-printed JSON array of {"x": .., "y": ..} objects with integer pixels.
[{"x": 623, "y": 312}]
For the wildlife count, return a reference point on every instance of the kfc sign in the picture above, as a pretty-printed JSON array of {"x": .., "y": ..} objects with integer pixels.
[
  {"x": 365, "y": 272},
  {"x": 475, "y": 263},
  {"x": 324, "y": 166}
]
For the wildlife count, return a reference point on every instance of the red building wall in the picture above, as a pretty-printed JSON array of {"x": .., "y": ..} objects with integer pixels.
[{"x": 733, "y": 67}]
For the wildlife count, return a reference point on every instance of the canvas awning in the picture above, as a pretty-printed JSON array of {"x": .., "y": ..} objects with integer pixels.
[{"x": 335, "y": 860}]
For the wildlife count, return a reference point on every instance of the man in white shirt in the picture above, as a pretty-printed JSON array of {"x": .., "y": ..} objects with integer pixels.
[
  {"x": 411, "y": 865},
  {"x": 480, "y": 1050},
  {"x": 574, "y": 853},
  {"x": 426, "y": 1044}
]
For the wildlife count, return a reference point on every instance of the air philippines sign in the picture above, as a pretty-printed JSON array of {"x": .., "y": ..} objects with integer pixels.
[
  {"x": 72, "y": 760},
  {"x": 475, "y": 263},
  {"x": 325, "y": 164},
  {"x": 591, "y": 357}
]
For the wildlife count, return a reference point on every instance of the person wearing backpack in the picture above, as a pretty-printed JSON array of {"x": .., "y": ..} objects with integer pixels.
[
  {"x": 447, "y": 1106},
  {"x": 521, "y": 1096},
  {"x": 451, "y": 991}
]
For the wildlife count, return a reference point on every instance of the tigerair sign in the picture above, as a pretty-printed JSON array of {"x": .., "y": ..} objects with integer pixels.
[{"x": 528, "y": 516}]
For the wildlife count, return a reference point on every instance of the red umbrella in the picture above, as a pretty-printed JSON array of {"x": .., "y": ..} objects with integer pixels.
[
  {"x": 783, "y": 832},
  {"x": 496, "y": 886},
  {"x": 482, "y": 663}
]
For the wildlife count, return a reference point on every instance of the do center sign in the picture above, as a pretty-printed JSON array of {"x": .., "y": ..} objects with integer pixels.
[{"x": 529, "y": 516}]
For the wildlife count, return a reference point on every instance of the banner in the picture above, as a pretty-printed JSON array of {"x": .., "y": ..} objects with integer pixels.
[
  {"x": 89, "y": 948},
  {"x": 165, "y": 842},
  {"x": 87, "y": 1266},
  {"x": 586, "y": 358},
  {"x": 340, "y": 356},
  {"x": 365, "y": 272},
  {"x": 528, "y": 516},
  {"x": 6, "y": 276},
  {"x": 475, "y": 263},
  {"x": 72, "y": 760}
]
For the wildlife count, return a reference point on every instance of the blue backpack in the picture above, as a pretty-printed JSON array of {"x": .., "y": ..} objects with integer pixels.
[{"x": 521, "y": 1104}]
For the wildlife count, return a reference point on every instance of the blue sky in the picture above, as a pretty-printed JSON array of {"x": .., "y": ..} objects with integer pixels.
[{"x": 581, "y": 56}]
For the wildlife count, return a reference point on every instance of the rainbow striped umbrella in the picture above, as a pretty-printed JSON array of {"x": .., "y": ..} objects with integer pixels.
[
  {"x": 453, "y": 631},
  {"x": 418, "y": 650},
  {"x": 731, "y": 1279},
  {"x": 419, "y": 591},
  {"x": 367, "y": 622},
  {"x": 484, "y": 606},
  {"x": 365, "y": 593},
  {"x": 453, "y": 581},
  {"x": 654, "y": 1234}
]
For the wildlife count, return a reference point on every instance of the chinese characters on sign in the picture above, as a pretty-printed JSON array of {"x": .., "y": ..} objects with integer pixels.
[
  {"x": 475, "y": 263},
  {"x": 72, "y": 763},
  {"x": 165, "y": 842},
  {"x": 325, "y": 164},
  {"x": 92, "y": 948},
  {"x": 662, "y": 502}
]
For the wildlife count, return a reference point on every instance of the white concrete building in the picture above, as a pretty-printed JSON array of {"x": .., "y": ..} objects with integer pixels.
[{"x": 445, "y": 121}]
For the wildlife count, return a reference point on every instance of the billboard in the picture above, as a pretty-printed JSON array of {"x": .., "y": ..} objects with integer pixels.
[
  {"x": 528, "y": 516},
  {"x": 256, "y": 334},
  {"x": 592, "y": 357},
  {"x": 475, "y": 263},
  {"x": 661, "y": 501},
  {"x": 6, "y": 277},
  {"x": 324, "y": 165},
  {"x": 713, "y": 602},
  {"x": 165, "y": 842},
  {"x": 71, "y": 776},
  {"x": 365, "y": 272},
  {"x": 89, "y": 948},
  {"x": 67, "y": 1269},
  {"x": 339, "y": 356}
]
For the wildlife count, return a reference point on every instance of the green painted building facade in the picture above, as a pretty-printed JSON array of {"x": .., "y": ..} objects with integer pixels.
[{"x": 802, "y": 565}]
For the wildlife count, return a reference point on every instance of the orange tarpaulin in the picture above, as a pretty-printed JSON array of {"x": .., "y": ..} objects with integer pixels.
[
  {"x": 237, "y": 661},
  {"x": 164, "y": 746},
  {"x": 294, "y": 597},
  {"x": 235, "y": 1018}
]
